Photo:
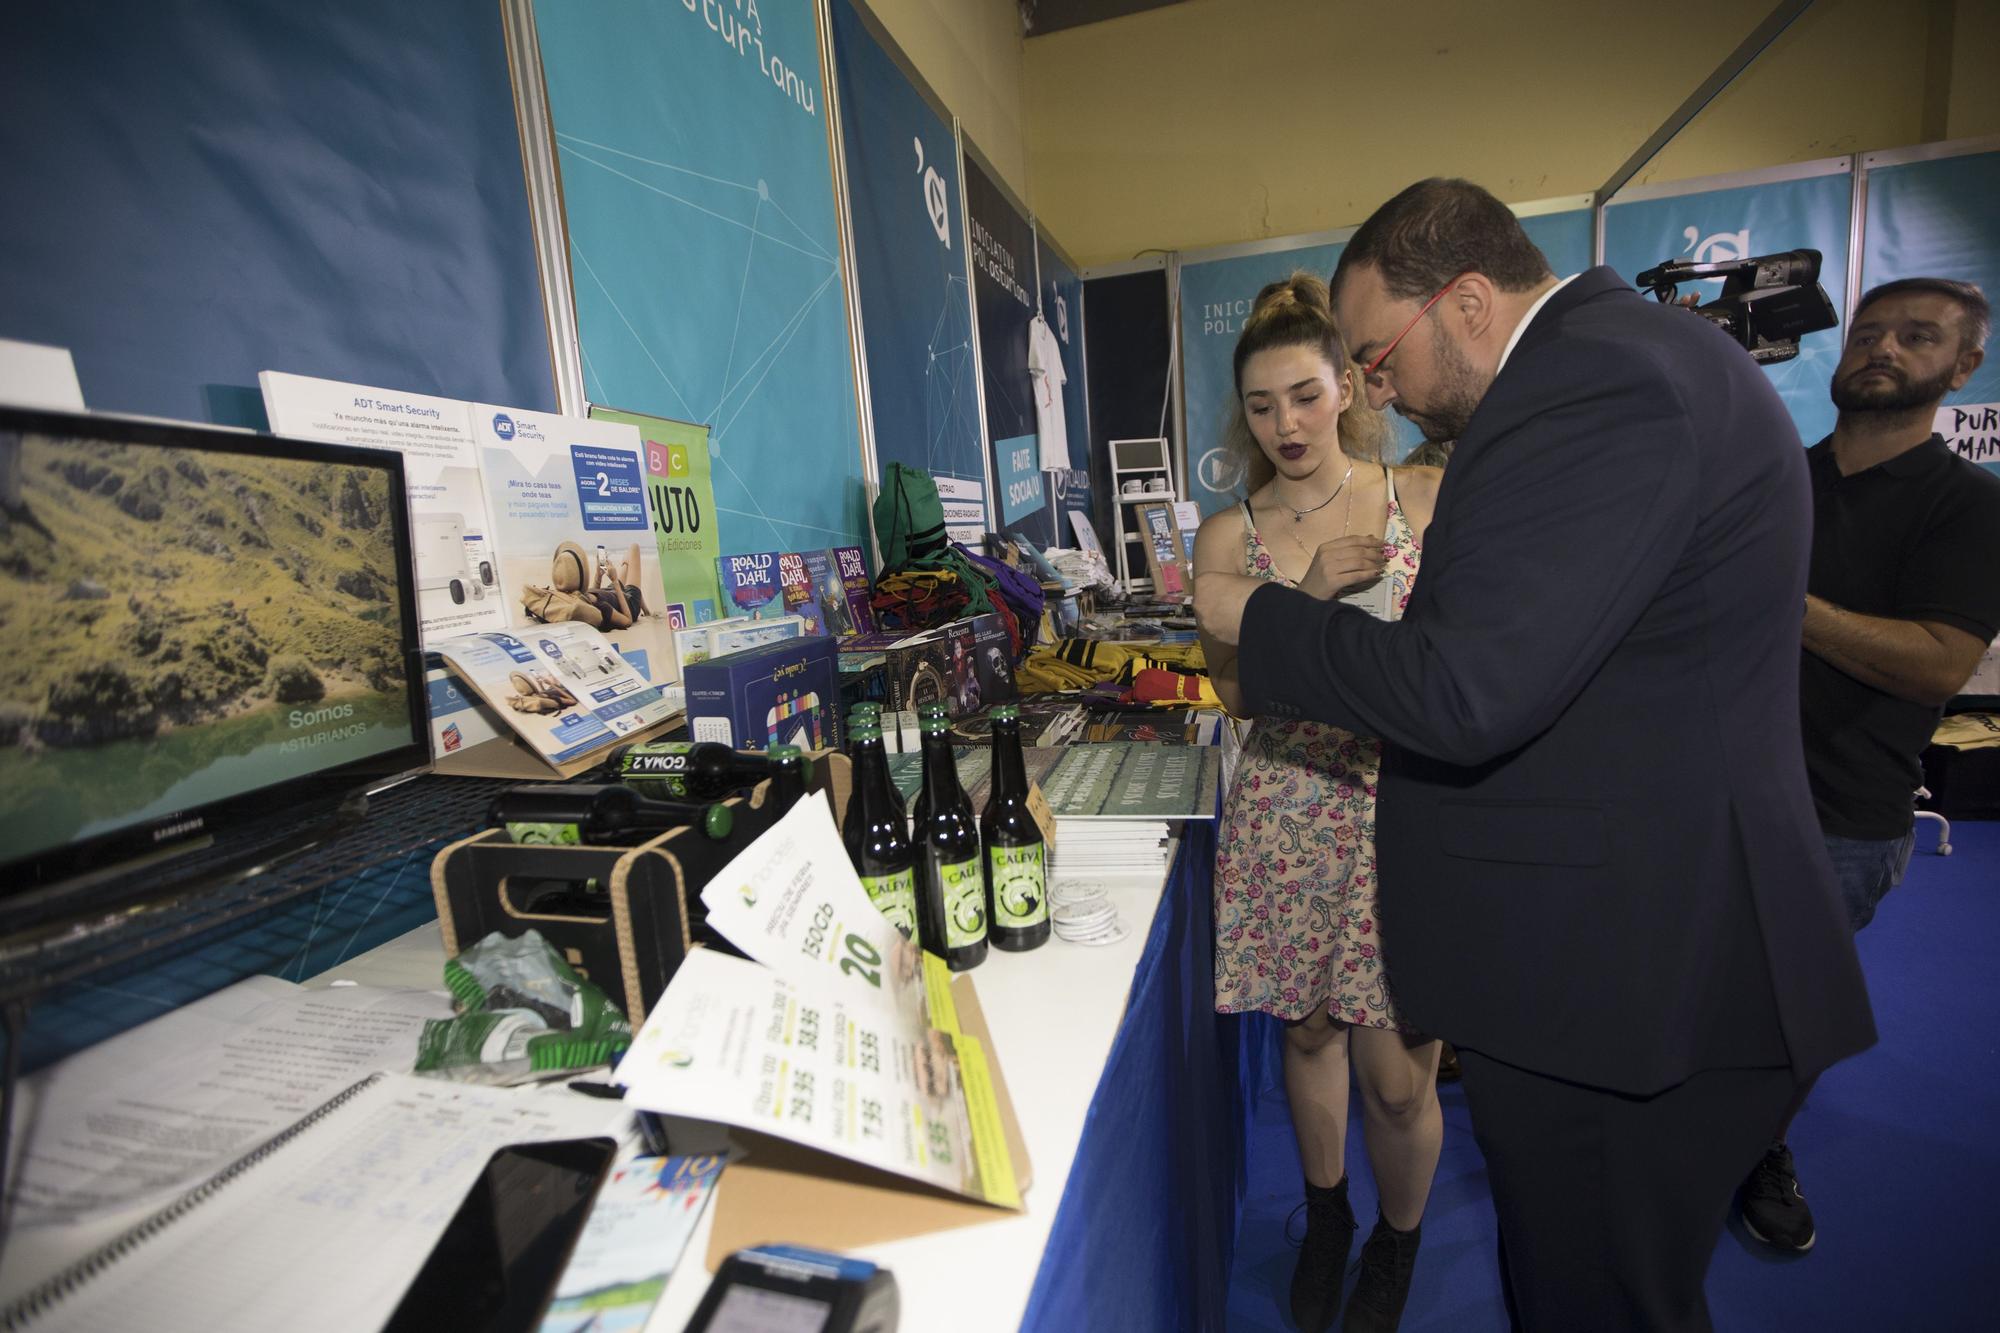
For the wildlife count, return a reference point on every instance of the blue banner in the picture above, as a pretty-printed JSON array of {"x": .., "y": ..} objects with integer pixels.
[
  {"x": 1563, "y": 237},
  {"x": 196, "y": 193},
  {"x": 1215, "y": 299},
  {"x": 1717, "y": 225},
  {"x": 703, "y": 248},
  {"x": 1003, "y": 301},
  {"x": 910, "y": 265},
  {"x": 1216, "y": 296},
  {"x": 1941, "y": 219}
]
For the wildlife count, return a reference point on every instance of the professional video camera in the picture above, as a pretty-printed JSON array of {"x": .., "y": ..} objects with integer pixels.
[{"x": 1768, "y": 302}]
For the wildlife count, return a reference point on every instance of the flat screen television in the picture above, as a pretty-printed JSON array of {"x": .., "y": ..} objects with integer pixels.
[{"x": 202, "y": 632}]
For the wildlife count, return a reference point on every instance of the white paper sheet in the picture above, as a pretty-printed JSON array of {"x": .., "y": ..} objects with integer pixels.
[{"x": 159, "y": 1107}]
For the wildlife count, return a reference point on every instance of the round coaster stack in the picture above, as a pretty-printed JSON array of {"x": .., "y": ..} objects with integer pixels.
[{"x": 1082, "y": 913}]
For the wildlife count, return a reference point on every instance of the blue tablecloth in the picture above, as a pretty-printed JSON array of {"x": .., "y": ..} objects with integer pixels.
[{"x": 1147, "y": 1226}]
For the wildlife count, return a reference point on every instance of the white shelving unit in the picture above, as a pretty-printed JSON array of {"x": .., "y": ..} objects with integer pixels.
[{"x": 1150, "y": 463}]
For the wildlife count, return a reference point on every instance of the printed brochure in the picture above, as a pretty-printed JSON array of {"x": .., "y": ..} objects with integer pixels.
[
  {"x": 459, "y": 579},
  {"x": 563, "y": 688},
  {"x": 836, "y": 1032}
]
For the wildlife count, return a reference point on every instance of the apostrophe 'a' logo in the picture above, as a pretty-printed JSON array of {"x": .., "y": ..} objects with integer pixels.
[
  {"x": 934, "y": 200},
  {"x": 503, "y": 425},
  {"x": 676, "y": 1059},
  {"x": 748, "y": 893},
  {"x": 1719, "y": 248},
  {"x": 1062, "y": 318}
]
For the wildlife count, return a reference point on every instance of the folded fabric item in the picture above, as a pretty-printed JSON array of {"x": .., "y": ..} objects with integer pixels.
[
  {"x": 1968, "y": 731},
  {"x": 1045, "y": 673},
  {"x": 1106, "y": 659},
  {"x": 1160, "y": 685}
]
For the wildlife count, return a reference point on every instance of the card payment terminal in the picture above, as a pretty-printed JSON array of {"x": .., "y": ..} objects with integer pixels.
[{"x": 788, "y": 1289}]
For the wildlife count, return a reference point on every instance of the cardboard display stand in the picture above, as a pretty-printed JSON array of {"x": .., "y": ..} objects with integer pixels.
[
  {"x": 653, "y": 890},
  {"x": 782, "y": 1191}
]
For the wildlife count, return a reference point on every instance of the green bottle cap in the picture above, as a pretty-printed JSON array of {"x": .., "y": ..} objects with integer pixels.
[
  {"x": 865, "y": 731},
  {"x": 719, "y": 820},
  {"x": 1006, "y": 713},
  {"x": 868, "y": 706},
  {"x": 778, "y": 753},
  {"x": 935, "y": 708},
  {"x": 934, "y": 723}
]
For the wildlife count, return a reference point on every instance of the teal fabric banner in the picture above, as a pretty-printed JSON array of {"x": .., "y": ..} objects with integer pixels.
[
  {"x": 1941, "y": 219},
  {"x": 1718, "y": 225},
  {"x": 698, "y": 187}
]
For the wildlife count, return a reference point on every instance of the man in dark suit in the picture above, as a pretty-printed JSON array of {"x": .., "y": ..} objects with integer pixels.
[{"x": 1602, "y": 879}]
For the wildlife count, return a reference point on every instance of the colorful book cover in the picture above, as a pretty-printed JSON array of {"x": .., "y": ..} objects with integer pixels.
[
  {"x": 853, "y": 569},
  {"x": 682, "y": 502},
  {"x": 749, "y": 584},
  {"x": 830, "y": 591},
  {"x": 796, "y": 585}
]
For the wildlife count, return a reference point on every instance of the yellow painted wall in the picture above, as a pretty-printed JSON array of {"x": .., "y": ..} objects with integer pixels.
[
  {"x": 970, "y": 52},
  {"x": 1973, "y": 104},
  {"x": 1216, "y": 121}
]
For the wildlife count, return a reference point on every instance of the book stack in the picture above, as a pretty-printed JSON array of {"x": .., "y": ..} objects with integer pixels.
[{"x": 1114, "y": 804}]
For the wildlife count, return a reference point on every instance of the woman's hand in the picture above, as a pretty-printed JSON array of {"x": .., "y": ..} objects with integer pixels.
[{"x": 1343, "y": 565}]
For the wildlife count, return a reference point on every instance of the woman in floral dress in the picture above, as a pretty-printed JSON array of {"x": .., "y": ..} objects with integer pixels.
[{"x": 1297, "y": 934}]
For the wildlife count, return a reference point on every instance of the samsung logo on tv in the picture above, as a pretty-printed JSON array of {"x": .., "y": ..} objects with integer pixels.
[{"x": 177, "y": 829}]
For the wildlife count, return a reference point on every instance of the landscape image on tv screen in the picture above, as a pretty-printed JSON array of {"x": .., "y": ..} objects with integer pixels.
[{"x": 183, "y": 626}]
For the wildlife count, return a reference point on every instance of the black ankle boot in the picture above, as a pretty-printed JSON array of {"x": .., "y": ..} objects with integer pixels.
[
  {"x": 1387, "y": 1259},
  {"x": 1323, "y": 1257}
]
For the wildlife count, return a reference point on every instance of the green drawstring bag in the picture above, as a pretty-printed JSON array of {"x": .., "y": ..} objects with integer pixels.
[{"x": 909, "y": 518}]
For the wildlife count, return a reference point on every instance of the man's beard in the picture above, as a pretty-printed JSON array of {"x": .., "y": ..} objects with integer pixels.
[
  {"x": 1897, "y": 392},
  {"x": 1455, "y": 398}
]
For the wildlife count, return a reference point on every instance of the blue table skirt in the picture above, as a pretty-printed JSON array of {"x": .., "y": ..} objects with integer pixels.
[{"x": 1147, "y": 1226}]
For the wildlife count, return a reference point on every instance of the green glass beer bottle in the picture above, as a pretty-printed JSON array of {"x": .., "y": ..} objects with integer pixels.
[
  {"x": 951, "y": 890},
  {"x": 874, "y": 833},
  {"x": 788, "y": 776},
  {"x": 1016, "y": 855},
  {"x": 597, "y": 814},
  {"x": 687, "y": 770}
]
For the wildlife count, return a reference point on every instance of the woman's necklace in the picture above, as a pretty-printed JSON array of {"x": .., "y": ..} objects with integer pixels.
[
  {"x": 1346, "y": 517},
  {"x": 1299, "y": 515}
]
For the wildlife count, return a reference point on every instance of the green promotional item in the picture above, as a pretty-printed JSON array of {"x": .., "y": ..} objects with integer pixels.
[{"x": 524, "y": 1014}]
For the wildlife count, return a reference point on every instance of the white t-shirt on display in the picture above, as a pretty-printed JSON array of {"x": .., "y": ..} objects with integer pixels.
[{"x": 1045, "y": 368}]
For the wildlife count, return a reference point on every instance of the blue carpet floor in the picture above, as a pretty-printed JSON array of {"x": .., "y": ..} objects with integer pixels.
[{"x": 1896, "y": 1151}]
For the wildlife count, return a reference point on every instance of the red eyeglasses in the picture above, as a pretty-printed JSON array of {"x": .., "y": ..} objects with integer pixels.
[{"x": 1368, "y": 372}]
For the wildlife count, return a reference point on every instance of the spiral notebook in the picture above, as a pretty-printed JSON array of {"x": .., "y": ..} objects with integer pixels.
[{"x": 321, "y": 1226}]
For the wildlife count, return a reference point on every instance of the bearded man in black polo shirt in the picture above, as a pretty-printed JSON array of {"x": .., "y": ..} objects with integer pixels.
[{"x": 1902, "y": 600}]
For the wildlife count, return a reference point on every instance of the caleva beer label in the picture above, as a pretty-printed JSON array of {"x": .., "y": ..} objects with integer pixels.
[
  {"x": 554, "y": 835},
  {"x": 895, "y": 897},
  {"x": 964, "y": 903},
  {"x": 1020, "y": 893}
]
